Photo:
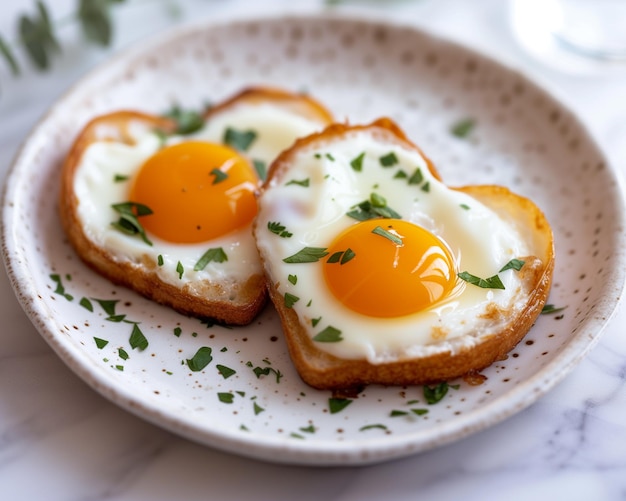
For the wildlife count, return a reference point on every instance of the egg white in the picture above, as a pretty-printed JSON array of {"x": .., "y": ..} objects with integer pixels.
[
  {"x": 480, "y": 240},
  {"x": 96, "y": 190}
]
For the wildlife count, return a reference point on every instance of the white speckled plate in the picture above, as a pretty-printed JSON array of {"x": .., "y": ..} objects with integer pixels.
[{"x": 522, "y": 138}]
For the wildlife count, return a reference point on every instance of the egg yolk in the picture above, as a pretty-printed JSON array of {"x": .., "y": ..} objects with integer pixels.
[
  {"x": 197, "y": 191},
  {"x": 397, "y": 268}
]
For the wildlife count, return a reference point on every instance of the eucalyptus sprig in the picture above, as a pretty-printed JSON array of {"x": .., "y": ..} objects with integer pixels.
[{"x": 38, "y": 37}]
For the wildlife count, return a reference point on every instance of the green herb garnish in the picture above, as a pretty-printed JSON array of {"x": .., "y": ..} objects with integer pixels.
[
  {"x": 290, "y": 300},
  {"x": 434, "y": 394},
  {"x": 389, "y": 159},
  {"x": 128, "y": 223},
  {"x": 180, "y": 269},
  {"x": 119, "y": 178},
  {"x": 239, "y": 140},
  {"x": 226, "y": 372},
  {"x": 225, "y": 398},
  {"x": 307, "y": 255},
  {"x": 389, "y": 236},
  {"x": 261, "y": 168},
  {"x": 278, "y": 229},
  {"x": 513, "y": 264},
  {"x": 304, "y": 182},
  {"x": 220, "y": 175},
  {"x": 493, "y": 282},
  {"x": 201, "y": 359},
  {"x": 328, "y": 335},
  {"x": 549, "y": 309},
  {"x": 215, "y": 254},
  {"x": 137, "y": 339},
  {"x": 463, "y": 128},
  {"x": 341, "y": 257},
  {"x": 372, "y": 209},
  {"x": 357, "y": 163},
  {"x": 100, "y": 343},
  {"x": 336, "y": 405},
  {"x": 187, "y": 121}
]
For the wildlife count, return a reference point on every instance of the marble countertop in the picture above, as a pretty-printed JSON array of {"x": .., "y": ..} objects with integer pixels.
[{"x": 61, "y": 440}]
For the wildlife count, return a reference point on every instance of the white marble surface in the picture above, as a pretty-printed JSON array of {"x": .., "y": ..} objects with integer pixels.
[{"x": 61, "y": 440}]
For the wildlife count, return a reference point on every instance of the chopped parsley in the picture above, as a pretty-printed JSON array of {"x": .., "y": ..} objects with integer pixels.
[
  {"x": 215, "y": 254},
  {"x": 137, "y": 339},
  {"x": 293, "y": 279},
  {"x": 513, "y": 264},
  {"x": 257, "y": 409},
  {"x": 493, "y": 282},
  {"x": 379, "y": 230},
  {"x": 304, "y": 182},
  {"x": 389, "y": 159},
  {"x": 328, "y": 335},
  {"x": 336, "y": 405},
  {"x": 225, "y": 398},
  {"x": 549, "y": 309},
  {"x": 417, "y": 177},
  {"x": 463, "y": 128},
  {"x": 307, "y": 255},
  {"x": 372, "y": 209},
  {"x": 201, "y": 359},
  {"x": 261, "y": 168},
  {"x": 357, "y": 163},
  {"x": 278, "y": 229},
  {"x": 220, "y": 175},
  {"x": 434, "y": 394},
  {"x": 239, "y": 140},
  {"x": 160, "y": 260},
  {"x": 128, "y": 223},
  {"x": 187, "y": 121},
  {"x": 180, "y": 269},
  {"x": 100, "y": 343},
  {"x": 341, "y": 257},
  {"x": 120, "y": 178},
  {"x": 85, "y": 303},
  {"x": 226, "y": 372},
  {"x": 290, "y": 300}
]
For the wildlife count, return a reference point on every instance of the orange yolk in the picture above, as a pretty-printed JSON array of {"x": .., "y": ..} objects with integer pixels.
[
  {"x": 387, "y": 278},
  {"x": 197, "y": 191}
]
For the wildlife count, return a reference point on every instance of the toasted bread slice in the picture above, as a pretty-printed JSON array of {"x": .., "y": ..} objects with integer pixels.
[
  {"x": 355, "y": 349},
  {"x": 231, "y": 297}
]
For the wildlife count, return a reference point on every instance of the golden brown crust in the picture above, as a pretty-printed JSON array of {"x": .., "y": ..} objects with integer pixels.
[
  {"x": 232, "y": 303},
  {"x": 324, "y": 371}
]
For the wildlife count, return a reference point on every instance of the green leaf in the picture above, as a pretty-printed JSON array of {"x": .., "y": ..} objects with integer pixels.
[
  {"x": 328, "y": 335},
  {"x": 187, "y": 121},
  {"x": 129, "y": 223},
  {"x": 379, "y": 230},
  {"x": 417, "y": 177},
  {"x": 341, "y": 257},
  {"x": 493, "y": 282},
  {"x": 100, "y": 343},
  {"x": 378, "y": 201},
  {"x": 357, "y": 163},
  {"x": 513, "y": 264},
  {"x": 434, "y": 394},
  {"x": 307, "y": 255},
  {"x": 201, "y": 359},
  {"x": 123, "y": 354},
  {"x": 266, "y": 371},
  {"x": 278, "y": 229},
  {"x": 463, "y": 128},
  {"x": 30, "y": 37},
  {"x": 261, "y": 168},
  {"x": 95, "y": 21},
  {"x": 367, "y": 210},
  {"x": 304, "y": 182},
  {"x": 226, "y": 398},
  {"x": 7, "y": 53},
  {"x": 108, "y": 305},
  {"x": 372, "y": 427},
  {"x": 239, "y": 140},
  {"x": 336, "y": 405},
  {"x": 419, "y": 412},
  {"x": 549, "y": 309},
  {"x": 216, "y": 254},
  {"x": 220, "y": 175},
  {"x": 257, "y": 409},
  {"x": 180, "y": 269},
  {"x": 397, "y": 413},
  {"x": 290, "y": 300},
  {"x": 85, "y": 303},
  {"x": 137, "y": 339},
  {"x": 389, "y": 159},
  {"x": 293, "y": 279},
  {"x": 226, "y": 372}
]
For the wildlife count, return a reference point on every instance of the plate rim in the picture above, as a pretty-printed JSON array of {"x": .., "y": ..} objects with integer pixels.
[{"x": 321, "y": 452}]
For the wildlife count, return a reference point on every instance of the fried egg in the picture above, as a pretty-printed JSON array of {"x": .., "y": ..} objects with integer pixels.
[
  {"x": 379, "y": 259},
  {"x": 191, "y": 196}
]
